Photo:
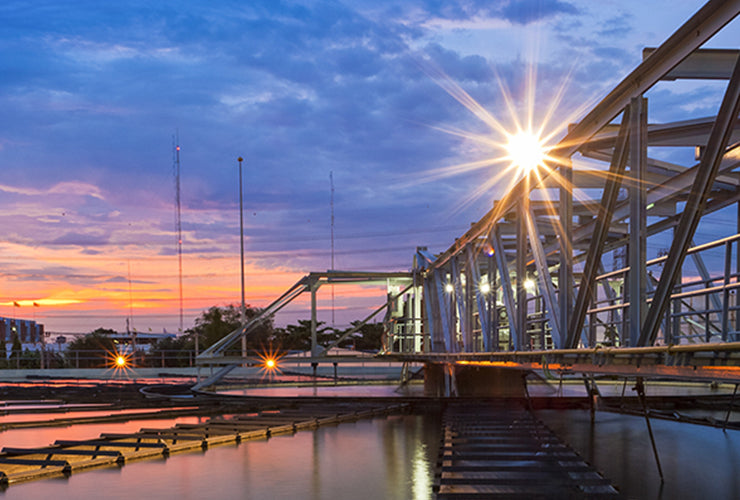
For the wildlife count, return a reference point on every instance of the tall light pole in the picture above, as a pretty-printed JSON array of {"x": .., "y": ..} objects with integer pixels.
[{"x": 241, "y": 232}]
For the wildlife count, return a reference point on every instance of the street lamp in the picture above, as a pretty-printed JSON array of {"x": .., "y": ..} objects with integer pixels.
[{"x": 241, "y": 231}]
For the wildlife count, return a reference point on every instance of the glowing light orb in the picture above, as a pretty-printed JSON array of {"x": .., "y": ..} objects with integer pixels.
[
  {"x": 119, "y": 362},
  {"x": 449, "y": 288},
  {"x": 485, "y": 288},
  {"x": 270, "y": 361},
  {"x": 529, "y": 284},
  {"x": 526, "y": 151}
]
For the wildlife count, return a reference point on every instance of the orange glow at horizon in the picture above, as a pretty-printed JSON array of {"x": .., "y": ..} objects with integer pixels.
[{"x": 99, "y": 291}]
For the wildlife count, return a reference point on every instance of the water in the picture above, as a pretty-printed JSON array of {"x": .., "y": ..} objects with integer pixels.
[
  {"x": 316, "y": 390},
  {"x": 394, "y": 458},
  {"x": 697, "y": 461},
  {"x": 389, "y": 458},
  {"x": 44, "y": 436}
]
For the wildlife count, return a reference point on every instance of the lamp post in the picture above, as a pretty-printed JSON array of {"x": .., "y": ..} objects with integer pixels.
[{"x": 241, "y": 232}]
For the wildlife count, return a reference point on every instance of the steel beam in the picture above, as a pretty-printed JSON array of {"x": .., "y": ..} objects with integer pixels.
[
  {"x": 565, "y": 236},
  {"x": 433, "y": 313},
  {"x": 545, "y": 281},
  {"x": 637, "y": 277},
  {"x": 673, "y": 187},
  {"x": 461, "y": 302},
  {"x": 506, "y": 288},
  {"x": 521, "y": 268},
  {"x": 704, "y": 274},
  {"x": 481, "y": 299},
  {"x": 601, "y": 230},
  {"x": 690, "y": 36},
  {"x": 314, "y": 323},
  {"x": 692, "y": 212},
  {"x": 703, "y": 64}
]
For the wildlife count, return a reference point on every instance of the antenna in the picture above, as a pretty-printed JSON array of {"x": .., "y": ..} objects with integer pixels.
[
  {"x": 178, "y": 220},
  {"x": 130, "y": 302},
  {"x": 331, "y": 206}
]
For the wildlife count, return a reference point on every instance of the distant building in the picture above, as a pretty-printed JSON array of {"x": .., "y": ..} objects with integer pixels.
[
  {"x": 28, "y": 331},
  {"x": 142, "y": 340}
]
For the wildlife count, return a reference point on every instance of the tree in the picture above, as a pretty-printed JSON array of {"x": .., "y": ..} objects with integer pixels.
[
  {"x": 370, "y": 338},
  {"x": 217, "y": 322},
  {"x": 298, "y": 337},
  {"x": 172, "y": 351},
  {"x": 92, "y": 350},
  {"x": 16, "y": 350},
  {"x": 3, "y": 351}
]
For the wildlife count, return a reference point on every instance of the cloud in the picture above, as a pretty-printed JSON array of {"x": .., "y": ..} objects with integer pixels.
[
  {"x": 529, "y": 11},
  {"x": 81, "y": 239},
  {"x": 93, "y": 92},
  {"x": 71, "y": 188}
]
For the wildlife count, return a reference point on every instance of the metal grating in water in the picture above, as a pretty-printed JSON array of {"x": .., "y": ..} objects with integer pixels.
[{"x": 500, "y": 450}]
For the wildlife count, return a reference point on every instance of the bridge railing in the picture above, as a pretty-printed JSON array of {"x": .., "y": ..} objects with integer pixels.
[
  {"x": 705, "y": 308},
  {"x": 704, "y": 305}
]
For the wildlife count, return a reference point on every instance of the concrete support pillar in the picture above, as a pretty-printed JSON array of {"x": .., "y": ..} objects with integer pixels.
[{"x": 445, "y": 380}]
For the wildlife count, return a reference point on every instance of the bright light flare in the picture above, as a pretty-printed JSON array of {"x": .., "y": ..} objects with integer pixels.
[
  {"x": 270, "y": 361},
  {"x": 521, "y": 145},
  {"x": 119, "y": 362},
  {"x": 526, "y": 151}
]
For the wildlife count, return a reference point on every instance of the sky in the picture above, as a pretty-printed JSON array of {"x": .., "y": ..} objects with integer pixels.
[{"x": 94, "y": 96}]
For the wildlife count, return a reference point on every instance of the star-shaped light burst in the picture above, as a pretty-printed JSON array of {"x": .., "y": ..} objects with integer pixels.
[
  {"x": 270, "y": 361},
  {"x": 526, "y": 151},
  {"x": 120, "y": 362},
  {"x": 520, "y": 141}
]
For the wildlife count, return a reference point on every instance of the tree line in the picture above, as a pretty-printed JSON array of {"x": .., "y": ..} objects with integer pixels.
[{"x": 211, "y": 326}]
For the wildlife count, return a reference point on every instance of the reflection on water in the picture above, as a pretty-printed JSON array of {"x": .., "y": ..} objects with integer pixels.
[
  {"x": 45, "y": 436},
  {"x": 318, "y": 390},
  {"x": 394, "y": 458},
  {"x": 42, "y": 417},
  {"x": 390, "y": 458},
  {"x": 697, "y": 461},
  {"x": 537, "y": 388}
]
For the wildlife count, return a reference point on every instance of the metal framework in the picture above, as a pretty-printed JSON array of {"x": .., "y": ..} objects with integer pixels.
[
  {"x": 398, "y": 284},
  {"x": 529, "y": 277},
  {"x": 544, "y": 279}
]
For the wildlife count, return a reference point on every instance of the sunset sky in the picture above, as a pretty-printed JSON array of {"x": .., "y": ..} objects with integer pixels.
[{"x": 92, "y": 94}]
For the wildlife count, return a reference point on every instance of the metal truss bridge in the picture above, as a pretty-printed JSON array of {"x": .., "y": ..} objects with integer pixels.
[{"x": 546, "y": 280}]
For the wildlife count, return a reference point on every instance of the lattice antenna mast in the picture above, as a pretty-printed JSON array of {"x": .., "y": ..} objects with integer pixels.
[
  {"x": 178, "y": 219},
  {"x": 331, "y": 207}
]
